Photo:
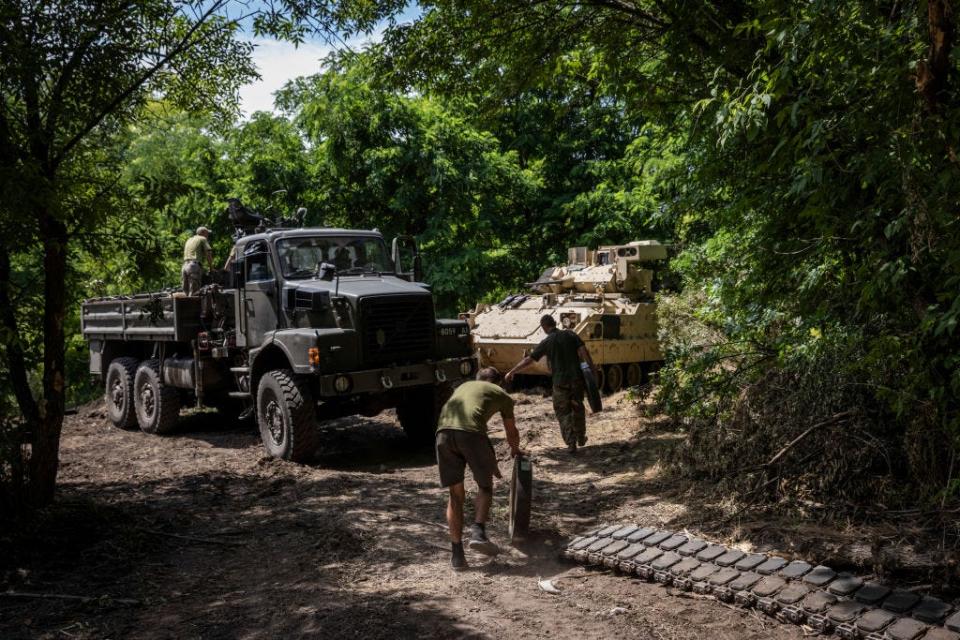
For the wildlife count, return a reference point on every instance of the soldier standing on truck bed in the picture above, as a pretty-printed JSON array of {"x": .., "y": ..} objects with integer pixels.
[
  {"x": 564, "y": 351},
  {"x": 462, "y": 441},
  {"x": 196, "y": 251}
]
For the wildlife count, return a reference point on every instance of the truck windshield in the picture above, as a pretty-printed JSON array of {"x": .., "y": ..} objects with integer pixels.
[{"x": 299, "y": 257}]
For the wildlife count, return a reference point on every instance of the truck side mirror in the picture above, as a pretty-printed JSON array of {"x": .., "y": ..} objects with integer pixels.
[
  {"x": 406, "y": 241},
  {"x": 417, "y": 268}
]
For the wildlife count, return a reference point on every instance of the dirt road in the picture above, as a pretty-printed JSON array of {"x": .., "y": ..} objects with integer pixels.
[{"x": 199, "y": 535}]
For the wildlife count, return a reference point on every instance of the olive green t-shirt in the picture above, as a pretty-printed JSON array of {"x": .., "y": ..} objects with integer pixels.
[
  {"x": 561, "y": 347},
  {"x": 197, "y": 248},
  {"x": 472, "y": 404}
]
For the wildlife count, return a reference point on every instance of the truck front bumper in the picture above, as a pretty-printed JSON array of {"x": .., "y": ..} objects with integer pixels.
[{"x": 388, "y": 378}]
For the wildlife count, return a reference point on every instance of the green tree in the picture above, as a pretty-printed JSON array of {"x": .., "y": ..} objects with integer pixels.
[
  {"x": 413, "y": 165},
  {"x": 808, "y": 172},
  {"x": 74, "y": 75}
]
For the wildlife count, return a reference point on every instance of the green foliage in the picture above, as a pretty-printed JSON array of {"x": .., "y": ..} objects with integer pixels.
[
  {"x": 798, "y": 156},
  {"x": 75, "y": 77},
  {"x": 806, "y": 173}
]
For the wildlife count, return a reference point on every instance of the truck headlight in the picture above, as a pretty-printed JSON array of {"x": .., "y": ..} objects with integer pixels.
[
  {"x": 466, "y": 367},
  {"x": 342, "y": 384}
]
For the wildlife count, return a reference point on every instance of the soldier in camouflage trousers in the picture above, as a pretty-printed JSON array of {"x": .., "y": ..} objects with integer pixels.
[
  {"x": 564, "y": 351},
  {"x": 568, "y": 405}
]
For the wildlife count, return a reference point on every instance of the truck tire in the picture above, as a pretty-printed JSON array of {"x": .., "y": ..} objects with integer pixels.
[
  {"x": 286, "y": 416},
  {"x": 118, "y": 392},
  {"x": 158, "y": 406},
  {"x": 419, "y": 411}
]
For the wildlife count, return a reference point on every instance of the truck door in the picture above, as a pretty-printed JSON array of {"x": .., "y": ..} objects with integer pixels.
[{"x": 259, "y": 292}]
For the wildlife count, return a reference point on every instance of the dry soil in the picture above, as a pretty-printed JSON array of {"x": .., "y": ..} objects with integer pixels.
[{"x": 198, "y": 535}]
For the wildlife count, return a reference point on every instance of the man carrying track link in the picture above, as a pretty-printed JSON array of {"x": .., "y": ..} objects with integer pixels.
[
  {"x": 564, "y": 351},
  {"x": 462, "y": 441}
]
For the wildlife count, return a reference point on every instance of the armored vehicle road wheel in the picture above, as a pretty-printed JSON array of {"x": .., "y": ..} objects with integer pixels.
[
  {"x": 521, "y": 497},
  {"x": 286, "y": 416},
  {"x": 419, "y": 410},
  {"x": 592, "y": 388},
  {"x": 601, "y": 378},
  {"x": 634, "y": 375},
  {"x": 119, "y": 392},
  {"x": 158, "y": 405},
  {"x": 614, "y": 378}
]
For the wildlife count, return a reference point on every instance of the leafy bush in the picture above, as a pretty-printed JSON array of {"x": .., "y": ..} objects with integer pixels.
[{"x": 797, "y": 415}]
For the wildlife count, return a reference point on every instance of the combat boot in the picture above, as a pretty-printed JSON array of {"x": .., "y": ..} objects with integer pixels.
[
  {"x": 458, "y": 560},
  {"x": 479, "y": 542}
]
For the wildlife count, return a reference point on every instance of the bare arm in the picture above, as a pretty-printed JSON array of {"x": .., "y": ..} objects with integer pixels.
[
  {"x": 513, "y": 436},
  {"x": 585, "y": 357},
  {"x": 523, "y": 364}
]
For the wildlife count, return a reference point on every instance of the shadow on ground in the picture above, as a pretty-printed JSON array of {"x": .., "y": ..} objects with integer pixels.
[{"x": 180, "y": 547}]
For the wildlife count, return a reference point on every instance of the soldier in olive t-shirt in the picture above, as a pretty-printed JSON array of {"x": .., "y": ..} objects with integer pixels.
[
  {"x": 472, "y": 405},
  {"x": 196, "y": 252},
  {"x": 462, "y": 441}
]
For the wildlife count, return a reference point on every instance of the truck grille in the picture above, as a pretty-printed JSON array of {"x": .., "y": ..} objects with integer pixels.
[{"x": 396, "y": 328}]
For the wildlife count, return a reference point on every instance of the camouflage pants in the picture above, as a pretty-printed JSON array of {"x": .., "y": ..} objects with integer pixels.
[
  {"x": 191, "y": 276},
  {"x": 568, "y": 405}
]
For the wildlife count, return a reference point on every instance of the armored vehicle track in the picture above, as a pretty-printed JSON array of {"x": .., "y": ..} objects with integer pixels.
[{"x": 816, "y": 597}]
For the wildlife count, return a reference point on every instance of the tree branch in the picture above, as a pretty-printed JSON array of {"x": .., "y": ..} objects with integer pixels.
[
  {"x": 12, "y": 347},
  {"x": 185, "y": 43}
]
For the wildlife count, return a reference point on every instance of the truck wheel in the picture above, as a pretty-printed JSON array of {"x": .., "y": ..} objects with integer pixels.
[
  {"x": 419, "y": 411},
  {"x": 118, "y": 394},
  {"x": 158, "y": 405},
  {"x": 286, "y": 416}
]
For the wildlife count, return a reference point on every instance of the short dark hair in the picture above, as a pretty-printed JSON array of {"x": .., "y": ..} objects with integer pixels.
[
  {"x": 489, "y": 374},
  {"x": 547, "y": 321}
]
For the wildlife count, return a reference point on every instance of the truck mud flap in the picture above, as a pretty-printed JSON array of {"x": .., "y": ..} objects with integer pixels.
[{"x": 819, "y": 598}]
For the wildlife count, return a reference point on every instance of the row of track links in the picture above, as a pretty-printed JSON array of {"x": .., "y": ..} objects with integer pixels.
[{"x": 794, "y": 592}]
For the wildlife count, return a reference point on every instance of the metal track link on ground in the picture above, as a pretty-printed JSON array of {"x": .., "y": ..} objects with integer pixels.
[{"x": 827, "y": 601}]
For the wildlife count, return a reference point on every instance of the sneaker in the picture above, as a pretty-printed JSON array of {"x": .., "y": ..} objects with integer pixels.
[
  {"x": 479, "y": 542},
  {"x": 458, "y": 561}
]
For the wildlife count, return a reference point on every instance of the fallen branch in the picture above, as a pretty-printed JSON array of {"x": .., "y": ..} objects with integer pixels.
[
  {"x": 831, "y": 420},
  {"x": 67, "y": 596}
]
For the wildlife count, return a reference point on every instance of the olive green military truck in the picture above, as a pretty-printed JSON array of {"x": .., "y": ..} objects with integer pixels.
[{"x": 310, "y": 324}]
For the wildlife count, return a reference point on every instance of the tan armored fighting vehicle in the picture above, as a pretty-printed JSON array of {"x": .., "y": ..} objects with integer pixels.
[{"x": 605, "y": 296}]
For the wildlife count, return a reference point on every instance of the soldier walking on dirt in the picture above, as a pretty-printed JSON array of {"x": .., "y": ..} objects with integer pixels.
[
  {"x": 462, "y": 441},
  {"x": 564, "y": 351},
  {"x": 196, "y": 251}
]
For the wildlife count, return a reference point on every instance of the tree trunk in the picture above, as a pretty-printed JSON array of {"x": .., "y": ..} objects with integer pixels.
[
  {"x": 13, "y": 348},
  {"x": 45, "y": 457},
  {"x": 932, "y": 73}
]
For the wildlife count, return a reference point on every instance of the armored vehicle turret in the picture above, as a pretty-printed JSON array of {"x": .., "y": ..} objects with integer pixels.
[{"x": 605, "y": 295}]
